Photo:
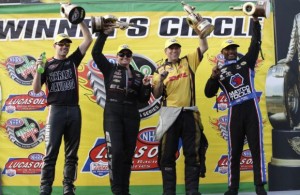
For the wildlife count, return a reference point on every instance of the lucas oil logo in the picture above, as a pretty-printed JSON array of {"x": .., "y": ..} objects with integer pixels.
[
  {"x": 145, "y": 156},
  {"x": 24, "y": 166},
  {"x": 25, "y": 102},
  {"x": 140, "y": 63},
  {"x": 246, "y": 163}
]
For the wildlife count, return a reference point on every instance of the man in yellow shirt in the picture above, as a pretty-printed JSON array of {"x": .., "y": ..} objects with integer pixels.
[{"x": 174, "y": 82}]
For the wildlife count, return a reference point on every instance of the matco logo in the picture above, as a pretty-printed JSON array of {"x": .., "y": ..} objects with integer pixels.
[
  {"x": 139, "y": 63},
  {"x": 236, "y": 81},
  {"x": 222, "y": 102}
]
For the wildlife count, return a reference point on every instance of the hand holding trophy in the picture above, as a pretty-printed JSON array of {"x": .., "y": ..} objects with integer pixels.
[
  {"x": 75, "y": 14},
  {"x": 201, "y": 26},
  {"x": 100, "y": 22}
]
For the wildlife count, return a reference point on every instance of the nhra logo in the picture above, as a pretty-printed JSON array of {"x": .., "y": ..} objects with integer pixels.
[
  {"x": 145, "y": 156},
  {"x": 236, "y": 80},
  {"x": 21, "y": 68},
  {"x": 140, "y": 63},
  {"x": 25, "y": 132},
  {"x": 220, "y": 125}
]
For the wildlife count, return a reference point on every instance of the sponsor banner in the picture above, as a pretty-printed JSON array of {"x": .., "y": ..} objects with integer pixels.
[
  {"x": 25, "y": 102},
  {"x": 24, "y": 166},
  {"x": 246, "y": 163},
  {"x": 24, "y": 132},
  {"x": 144, "y": 159},
  {"x": 26, "y": 33}
]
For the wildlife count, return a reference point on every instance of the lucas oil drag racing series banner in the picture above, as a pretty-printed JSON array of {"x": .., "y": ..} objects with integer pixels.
[{"x": 28, "y": 30}]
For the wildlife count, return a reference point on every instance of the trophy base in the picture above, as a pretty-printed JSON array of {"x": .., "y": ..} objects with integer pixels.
[
  {"x": 97, "y": 24},
  {"x": 283, "y": 178},
  {"x": 76, "y": 15},
  {"x": 284, "y": 168},
  {"x": 260, "y": 9},
  {"x": 73, "y": 13},
  {"x": 204, "y": 30},
  {"x": 201, "y": 26}
]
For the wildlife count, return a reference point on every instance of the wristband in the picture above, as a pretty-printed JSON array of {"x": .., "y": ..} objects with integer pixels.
[{"x": 40, "y": 69}]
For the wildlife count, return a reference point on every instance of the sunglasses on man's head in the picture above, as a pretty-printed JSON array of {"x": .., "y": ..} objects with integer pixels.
[
  {"x": 63, "y": 44},
  {"x": 128, "y": 55}
]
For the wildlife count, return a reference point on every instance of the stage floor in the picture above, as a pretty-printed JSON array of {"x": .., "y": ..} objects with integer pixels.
[{"x": 292, "y": 192}]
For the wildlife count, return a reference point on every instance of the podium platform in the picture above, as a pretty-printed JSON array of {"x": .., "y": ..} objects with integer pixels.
[{"x": 284, "y": 168}]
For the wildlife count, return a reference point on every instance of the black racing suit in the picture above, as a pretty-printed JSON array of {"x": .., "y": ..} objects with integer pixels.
[
  {"x": 121, "y": 115},
  {"x": 64, "y": 119},
  {"x": 244, "y": 117},
  {"x": 189, "y": 128}
]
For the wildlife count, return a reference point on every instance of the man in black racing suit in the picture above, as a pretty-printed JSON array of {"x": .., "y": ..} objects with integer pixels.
[
  {"x": 64, "y": 116},
  {"x": 236, "y": 78},
  {"x": 125, "y": 87}
]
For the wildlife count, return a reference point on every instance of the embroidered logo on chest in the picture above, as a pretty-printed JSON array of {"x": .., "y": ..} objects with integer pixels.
[{"x": 236, "y": 81}]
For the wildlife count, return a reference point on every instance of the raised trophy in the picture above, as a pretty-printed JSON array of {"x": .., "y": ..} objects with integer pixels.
[
  {"x": 74, "y": 13},
  {"x": 201, "y": 26},
  {"x": 99, "y": 22},
  {"x": 259, "y": 9}
]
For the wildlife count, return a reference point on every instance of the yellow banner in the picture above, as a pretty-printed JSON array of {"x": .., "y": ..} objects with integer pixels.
[{"x": 24, "y": 113}]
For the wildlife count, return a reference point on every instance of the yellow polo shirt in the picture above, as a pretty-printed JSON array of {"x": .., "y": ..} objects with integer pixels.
[{"x": 178, "y": 89}]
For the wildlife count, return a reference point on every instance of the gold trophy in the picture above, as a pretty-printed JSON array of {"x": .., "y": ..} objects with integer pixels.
[
  {"x": 75, "y": 14},
  {"x": 201, "y": 26},
  {"x": 99, "y": 22},
  {"x": 259, "y": 9}
]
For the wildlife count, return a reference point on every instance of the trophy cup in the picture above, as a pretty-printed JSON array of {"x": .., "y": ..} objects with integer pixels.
[
  {"x": 201, "y": 26},
  {"x": 99, "y": 22},
  {"x": 75, "y": 14},
  {"x": 259, "y": 9}
]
